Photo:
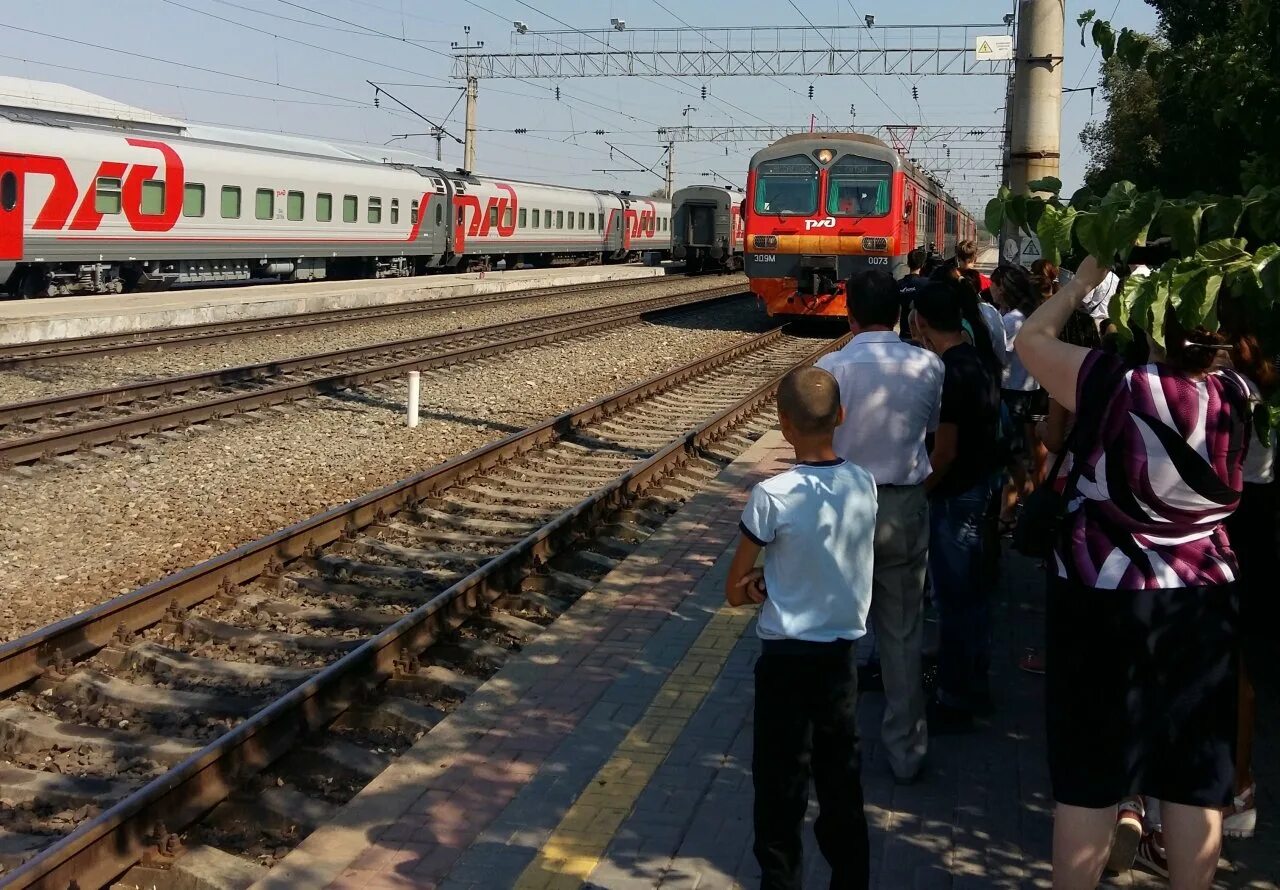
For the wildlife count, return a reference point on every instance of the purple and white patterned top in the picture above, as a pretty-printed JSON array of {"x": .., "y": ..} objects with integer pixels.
[{"x": 1159, "y": 479}]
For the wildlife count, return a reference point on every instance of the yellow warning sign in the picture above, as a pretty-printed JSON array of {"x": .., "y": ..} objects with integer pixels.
[{"x": 995, "y": 48}]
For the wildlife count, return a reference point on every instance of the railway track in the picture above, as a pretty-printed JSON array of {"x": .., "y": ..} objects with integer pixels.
[
  {"x": 42, "y": 429},
  {"x": 282, "y": 676},
  {"x": 16, "y": 356}
]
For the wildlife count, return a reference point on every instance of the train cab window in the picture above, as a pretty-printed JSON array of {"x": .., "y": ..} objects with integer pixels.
[
  {"x": 231, "y": 202},
  {"x": 559, "y": 219},
  {"x": 508, "y": 218},
  {"x": 787, "y": 185},
  {"x": 395, "y": 211},
  {"x": 537, "y": 218},
  {"x": 439, "y": 214},
  {"x": 375, "y": 210},
  {"x": 106, "y": 196},
  {"x": 350, "y": 208},
  {"x": 524, "y": 217},
  {"x": 859, "y": 187},
  {"x": 193, "y": 199},
  {"x": 295, "y": 206},
  {"x": 571, "y": 219},
  {"x": 265, "y": 203},
  {"x": 153, "y": 197},
  {"x": 413, "y": 213}
]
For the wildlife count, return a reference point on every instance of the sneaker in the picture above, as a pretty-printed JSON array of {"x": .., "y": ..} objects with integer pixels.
[
  {"x": 1128, "y": 837},
  {"x": 1241, "y": 818},
  {"x": 1151, "y": 854},
  {"x": 1032, "y": 662}
]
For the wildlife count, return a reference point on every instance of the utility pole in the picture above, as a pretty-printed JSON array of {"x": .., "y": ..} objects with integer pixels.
[
  {"x": 473, "y": 92},
  {"x": 671, "y": 169},
  {"x": 1036, "y": 114}
]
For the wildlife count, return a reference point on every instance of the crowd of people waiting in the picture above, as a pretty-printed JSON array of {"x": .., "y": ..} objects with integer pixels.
[{"x": 922, "y": 442}]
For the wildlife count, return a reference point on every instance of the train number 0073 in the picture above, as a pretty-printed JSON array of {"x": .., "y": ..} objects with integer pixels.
[{"x": 877, "y": 261}]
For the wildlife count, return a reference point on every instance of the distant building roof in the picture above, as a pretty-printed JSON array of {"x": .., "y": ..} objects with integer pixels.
[{"x": 56, "y": 100}]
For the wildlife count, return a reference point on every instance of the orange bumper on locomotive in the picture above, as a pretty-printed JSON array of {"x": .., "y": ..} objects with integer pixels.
[{"x": 805, "y": 274}]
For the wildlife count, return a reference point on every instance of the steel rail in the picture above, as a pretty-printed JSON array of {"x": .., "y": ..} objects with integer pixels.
[
  {"x": 14, "y": 356},
  {"x": 59, "y": 441},
  {"x": 101, "y": 849}
]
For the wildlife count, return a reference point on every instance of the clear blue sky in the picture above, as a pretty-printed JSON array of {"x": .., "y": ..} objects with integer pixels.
[{"x": 256, "y": 39}]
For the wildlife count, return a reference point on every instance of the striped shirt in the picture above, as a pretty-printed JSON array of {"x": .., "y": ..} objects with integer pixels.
[{"x": 1159, "y": 479}]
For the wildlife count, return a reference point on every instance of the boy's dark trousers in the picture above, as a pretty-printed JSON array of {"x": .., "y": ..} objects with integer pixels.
[{"x": 805, "y": 724}]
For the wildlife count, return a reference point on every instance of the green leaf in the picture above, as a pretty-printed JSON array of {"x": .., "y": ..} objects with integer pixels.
[
  {"x": 1054, "y": 232},
  {"x": 1161, "y": 297},
  {"x": 1121, "y": 306},
  {"x": 1132, "y": 225},
  {"x": 1132, "y": 47},
  {"x": 1222, "y": 220},
  {"x": 1015, "y": 211},
  {"x": 1083, "y": 21},
  {"x": 1194, "y": 295},
  {"x": 1120, "y": 194},
  {"x": 1095, "y": 233},
  {"x": 1268, "y": 270},
  {"x": 1224, "y": 251},
  {"x": 1181, "y": 223},
  {"x": 1050, "y": 184},
  {"x": 994, "y": 216},
  {"x": 1033, "y": 210},
  {"x": 1105, "y": 38}
]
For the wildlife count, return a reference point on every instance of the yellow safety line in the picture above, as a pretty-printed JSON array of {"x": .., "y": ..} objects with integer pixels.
[{"x": 576, "y": 845}]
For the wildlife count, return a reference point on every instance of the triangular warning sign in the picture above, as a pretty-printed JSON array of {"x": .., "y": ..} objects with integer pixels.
[{"x": 984, "y": 47}]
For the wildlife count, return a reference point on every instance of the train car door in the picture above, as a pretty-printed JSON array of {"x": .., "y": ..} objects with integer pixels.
[{"x": 11, "y": 207}]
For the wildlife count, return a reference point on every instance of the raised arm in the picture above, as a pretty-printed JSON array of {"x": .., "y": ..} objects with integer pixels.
[{"x": 1054, "y": 364}]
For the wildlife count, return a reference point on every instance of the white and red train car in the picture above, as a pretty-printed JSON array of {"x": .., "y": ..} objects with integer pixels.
[{"x": 98, "y": 197}]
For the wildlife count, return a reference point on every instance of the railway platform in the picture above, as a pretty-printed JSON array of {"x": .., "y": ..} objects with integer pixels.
[
  {"x": 614, "y": 752},
  {"x": 57, "y": 318}
]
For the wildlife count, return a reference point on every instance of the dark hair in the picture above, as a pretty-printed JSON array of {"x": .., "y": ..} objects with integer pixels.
[
  {"x": 1044, "y": 277},
  {"x": 944, "y": 271},
  {"x": 810, "y": 400},
  {"x": 1247, "y": 355},
  {"x": 1081, "y": 330},
  {"x": 1019, "y": 291},
  {"x": 936, "y": 303},
  {"x": 966, "y": 251},
  {"x": 974, "y": 278},
  {"x": 1192, "y": 351},
  {"x": 872, "y": 298},
  {"x": 916, "y": 259}
]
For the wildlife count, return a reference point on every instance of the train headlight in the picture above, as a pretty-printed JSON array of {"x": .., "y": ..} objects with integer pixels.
[
  {"x": 875, "y": 243},
  {"x": 765, "y": 242},
  {"x": 824, "y": 155}
]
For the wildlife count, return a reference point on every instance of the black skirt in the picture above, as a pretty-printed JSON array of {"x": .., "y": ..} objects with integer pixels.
[{"x": 1141, "y": 694}]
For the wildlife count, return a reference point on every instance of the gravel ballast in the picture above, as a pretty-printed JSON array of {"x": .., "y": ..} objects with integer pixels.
[
  {"x": 77, "y": 375},
  {"x": 71, "y": 537}
]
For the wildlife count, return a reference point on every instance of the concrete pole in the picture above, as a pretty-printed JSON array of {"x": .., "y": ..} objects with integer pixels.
[
  {"x": 469, "y": 150},
  {"x": 415, "y": 388},
  {"x": 671, "y": 169},
  {"x": 1036, "y": 114}
]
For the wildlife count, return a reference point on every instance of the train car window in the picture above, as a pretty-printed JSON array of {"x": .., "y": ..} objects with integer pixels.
[
  {"x": 859, "y": 187},
  {"x": 439, "y": 214},
  {"x": 8, "y": 191},
  {"x": 787, "y": 185},
  {"x": 571, "y": 219},
  {"x": 508, "y": 218},
  {"x": 375, "y": 210},
  {"x": 153, "y": 197},
  {"x": 231, "y": 202},
  {"x": 546, "y": 219},
  {"x": 591, "y": 221},
  {"x": 493, "y": 216},
  {"x": 395, "y": 211},
  {"x": 324, "y": 207},
  {"x": 524, "y": 217},
  {"x": 265, "y": 203},
  {"x": 537, "y": 218},
  {"x": 193, "y": 199},
  {"x": 559, "y": 219},
  {"x": 413, "y": 213},
  {"x": 106, "y": 197},
  {"x": 602, "y": 222},
  {"x": 295, "y": 206},
  {"x": 350, "y": 208},
  {"x": 582, "y": 220}
]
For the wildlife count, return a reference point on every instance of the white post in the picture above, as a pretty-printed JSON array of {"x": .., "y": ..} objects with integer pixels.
[{"x": 415, "y": 382}]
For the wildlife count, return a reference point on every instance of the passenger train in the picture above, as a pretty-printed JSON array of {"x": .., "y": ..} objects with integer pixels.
[
  {"x": 822, "y": 206},
  {"x": 99, "y": 197},
  {"x": 707, "y": 228}
]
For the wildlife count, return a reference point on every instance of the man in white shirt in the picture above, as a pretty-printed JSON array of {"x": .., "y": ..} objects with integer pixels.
[{"x": 891, "y": 392}]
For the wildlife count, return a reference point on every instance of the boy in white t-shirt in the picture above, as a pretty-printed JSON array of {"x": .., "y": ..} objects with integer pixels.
[{"x": 816, "y": 525}]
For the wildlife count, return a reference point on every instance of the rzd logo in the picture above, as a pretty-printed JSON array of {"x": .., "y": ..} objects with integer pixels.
[{"x": 828, "y": 223}]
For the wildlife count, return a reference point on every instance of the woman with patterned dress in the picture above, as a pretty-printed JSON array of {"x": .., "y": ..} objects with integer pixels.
[{"x": 1142, "y": 615}]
